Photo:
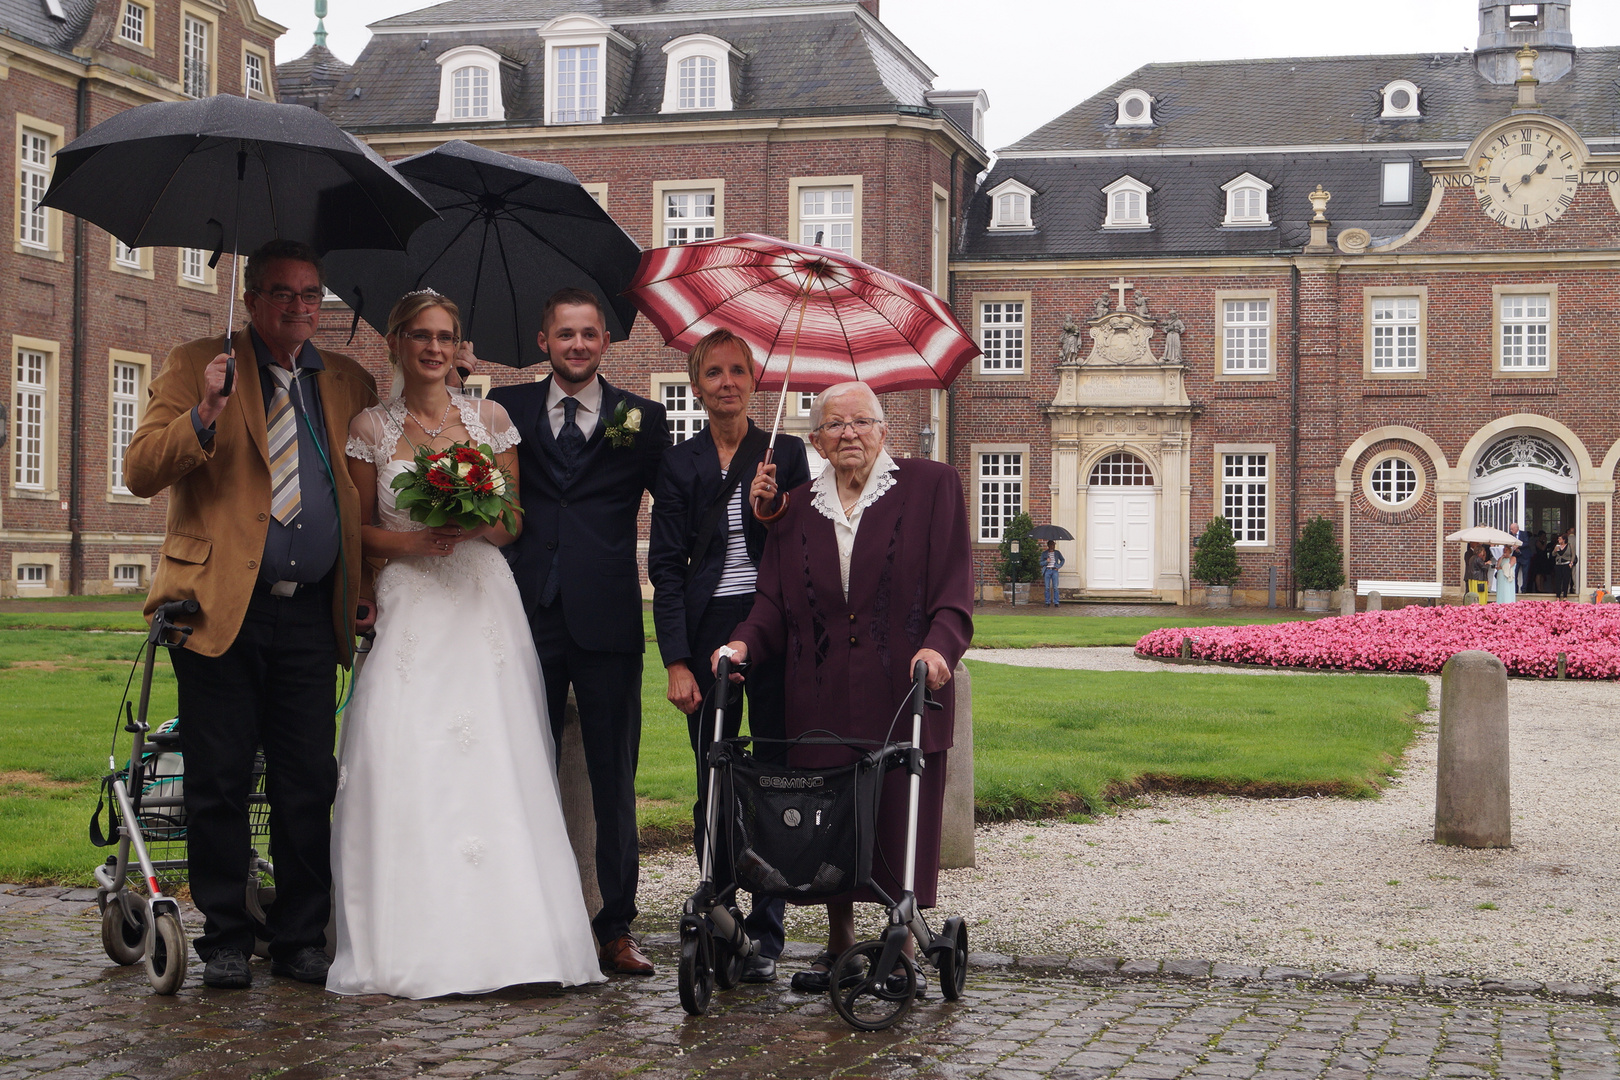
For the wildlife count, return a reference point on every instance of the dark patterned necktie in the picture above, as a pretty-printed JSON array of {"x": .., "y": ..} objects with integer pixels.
[{"x": 570, "y": 440}]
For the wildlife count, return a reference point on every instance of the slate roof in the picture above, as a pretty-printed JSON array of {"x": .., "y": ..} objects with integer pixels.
[
  {"x": 317, "y": 66},
  {"x": 537, "y": 12},
  {"x": 30, "y": 21},
  {"x": 800, "y": 62}
]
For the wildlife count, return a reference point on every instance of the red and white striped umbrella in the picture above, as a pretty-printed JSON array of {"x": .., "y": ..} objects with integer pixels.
[{"x": 811, "y": 314}]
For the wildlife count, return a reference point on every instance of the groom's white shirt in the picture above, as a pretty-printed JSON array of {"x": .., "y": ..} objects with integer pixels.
[{"x": 586, "y": 416}]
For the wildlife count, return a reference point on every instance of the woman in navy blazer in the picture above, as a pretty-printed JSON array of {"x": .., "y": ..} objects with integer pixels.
[{"x": 699, "y": 597}]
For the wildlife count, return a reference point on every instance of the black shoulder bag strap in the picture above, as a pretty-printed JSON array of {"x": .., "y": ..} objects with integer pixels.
[{"x": 752, "y": 448}]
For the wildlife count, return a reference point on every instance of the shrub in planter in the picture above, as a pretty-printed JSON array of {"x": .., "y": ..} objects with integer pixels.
[
  {"x": 1318, "y": 560},
  {"x": 1028, "y": 559},
  {"x": 1215, "y": 559}
]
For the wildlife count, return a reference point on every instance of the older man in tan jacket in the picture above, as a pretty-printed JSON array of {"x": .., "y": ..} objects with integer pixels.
[{"x": 264, "y": 533}]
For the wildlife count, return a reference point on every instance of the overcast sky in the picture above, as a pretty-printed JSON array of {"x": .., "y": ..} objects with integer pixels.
[{"x": 1038, "y": 58}]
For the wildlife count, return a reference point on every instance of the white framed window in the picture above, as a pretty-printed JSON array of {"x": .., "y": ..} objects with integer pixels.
[
  {"x": 195, "y": 38},
  {"x": 578, "y": 85},
  {"x": 126, "y": 256},
  {"x": 194, "y": 265},
  {"x": 31, "y": 393},
  {"x": 827, "y": 218},
  {"x": 688, "y": 216},
  {"x": 1396, "y": 183},
  {"x": 806, "y": 402},
  {"x": 1127, "y": 204},
  {"x": 1525, "y": 334},
  {"x": 126, "y": 388},
  {"x": 33, "y": 575},
  {"x": 34, "y": 176},
  {"x": 126, "y": 575},
  {"x": 1246, "y": 337},
  {"x": 681, "y": 408},
  {"x": 476, "y": 386},
  {"x": 469, "y": 85},
  {"x": 1246, "y": 497},
  {"x": 1396, "y": 324},
  {"x": 599, "y": 192},
  {"x": 1393, "y": 482},
  {"x": 132, "y": 24},
  {"x": 1246, "y": 201},
  {"x": 253, "y": 73},
  {"x": 1400, "y": 100},
  {"x": 1012, "y": 205},
  {"x": 1001, "y": 336},
  {"x": 697, "y": 74},
  {"x": 1000, "y": 483},
  {"x": 1134, "y": 109}
]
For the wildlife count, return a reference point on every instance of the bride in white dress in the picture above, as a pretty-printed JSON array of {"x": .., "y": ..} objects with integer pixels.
[{"x": 451, "y": 861}]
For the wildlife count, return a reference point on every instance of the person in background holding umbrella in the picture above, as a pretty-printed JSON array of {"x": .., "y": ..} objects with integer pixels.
[
  {"x": 703, "y": 559},
  {"x": 265, "y": 535},
  {"x": 1051, "y": 563},
  {"x": 869, "y": 571},
  {"x": 1478, "y": 572}
]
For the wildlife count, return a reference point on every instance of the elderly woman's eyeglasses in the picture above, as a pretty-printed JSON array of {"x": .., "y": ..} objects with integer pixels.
[
  {"x": 425, "y": 337},
  {"x": 860, "y": 426}
]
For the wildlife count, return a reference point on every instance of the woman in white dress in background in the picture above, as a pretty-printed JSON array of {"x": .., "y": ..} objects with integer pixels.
[{"x": 451, "y": 862}]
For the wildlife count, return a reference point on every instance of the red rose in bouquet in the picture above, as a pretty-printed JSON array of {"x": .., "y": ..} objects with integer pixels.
[{"x": 459, "y": 485}]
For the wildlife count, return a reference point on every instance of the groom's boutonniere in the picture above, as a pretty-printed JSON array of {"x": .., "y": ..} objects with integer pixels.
[{"x": 625, "y": 426}]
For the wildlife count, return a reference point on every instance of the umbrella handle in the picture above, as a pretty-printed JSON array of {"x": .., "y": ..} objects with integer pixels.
[{"x": 761, "y": 515}]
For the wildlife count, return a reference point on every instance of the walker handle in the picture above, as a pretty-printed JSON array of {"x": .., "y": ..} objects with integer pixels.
[{"x": 919, "y": 687}]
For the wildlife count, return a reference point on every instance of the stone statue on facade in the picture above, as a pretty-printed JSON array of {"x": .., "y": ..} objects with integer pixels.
[
  {"x": 1069, "y": 347},
  {"x": 1141, "y": 304},
  {"x": 1173, "y": 328},
  {"x": 1101, "y": 307}
]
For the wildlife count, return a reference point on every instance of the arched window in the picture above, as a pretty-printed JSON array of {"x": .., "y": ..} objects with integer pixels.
[
  {"x": 1127, "y": 204},
  {"x": 469, "y": 86},
  {"x": 1121, "y": 470},
  {"x": 1134, "y": 109},
  {"x": 1246, "y": 201},
  {"x": 698, "y": 74},
  {"x": 1011, "y": 205},
  {"x": 696, "y": 82},
  {"x": 1400, "y": 99},
  {"x": 469, "y": 93}
]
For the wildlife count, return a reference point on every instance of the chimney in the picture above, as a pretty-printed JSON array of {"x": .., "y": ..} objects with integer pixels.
[
  {"x": 1505, "y": 27},
  {"x": 872, "y": 6}
]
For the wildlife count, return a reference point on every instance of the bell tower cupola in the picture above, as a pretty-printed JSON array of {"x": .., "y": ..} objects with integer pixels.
[{"x": 1505, "y": 27}]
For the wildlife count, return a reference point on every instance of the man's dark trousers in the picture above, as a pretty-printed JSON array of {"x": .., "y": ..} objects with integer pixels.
[
  {"x": 274, "y": 687},
  {"x": 607, "y": 688}
]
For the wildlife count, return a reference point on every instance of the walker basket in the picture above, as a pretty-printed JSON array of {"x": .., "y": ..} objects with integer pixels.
[{"x": 801, "y": 834}]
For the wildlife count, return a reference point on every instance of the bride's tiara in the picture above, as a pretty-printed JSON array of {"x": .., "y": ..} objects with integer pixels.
[{"x": 424, "y": 292}]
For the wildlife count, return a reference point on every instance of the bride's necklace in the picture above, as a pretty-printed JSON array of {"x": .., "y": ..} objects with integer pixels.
[{"x": 444, "y": 420}]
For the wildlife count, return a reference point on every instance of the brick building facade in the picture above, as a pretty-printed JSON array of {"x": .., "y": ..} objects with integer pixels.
[
  {"x": 84, "y": 320},
  {"x": 1379, "y": 289}
]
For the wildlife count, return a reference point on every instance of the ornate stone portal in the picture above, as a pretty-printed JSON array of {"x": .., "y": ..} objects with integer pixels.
[{"x": 1120, "y": 396}]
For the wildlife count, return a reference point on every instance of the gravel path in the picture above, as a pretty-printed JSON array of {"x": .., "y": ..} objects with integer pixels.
[{"x": 1324, "y": 884}]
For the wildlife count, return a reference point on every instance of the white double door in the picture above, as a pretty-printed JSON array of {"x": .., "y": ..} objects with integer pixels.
[{"x": 1119, "y": 538}]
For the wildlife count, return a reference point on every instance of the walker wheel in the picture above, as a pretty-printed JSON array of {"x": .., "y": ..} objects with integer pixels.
[
  {"x": 124, "y": 941},
  {"x": 954, "y": 962},
  {"x": 166, "y": 963},
  {"x": 869, "y": 1000},
  {"x": 260, "y": 897},
  {"x": 694, "y": 975},
  {"x": 728, "y": 962}
]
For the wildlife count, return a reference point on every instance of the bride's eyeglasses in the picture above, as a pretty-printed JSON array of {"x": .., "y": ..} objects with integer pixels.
[{"x": 424, "y": 337}]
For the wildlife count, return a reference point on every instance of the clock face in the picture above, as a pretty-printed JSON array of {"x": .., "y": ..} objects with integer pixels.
[{"x": 1526, "y": 177}]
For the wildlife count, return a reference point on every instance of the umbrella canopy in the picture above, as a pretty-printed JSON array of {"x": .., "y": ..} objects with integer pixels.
[
  {"x": 227, "y": 174},
  {"x": 1484, "y": 534},
  {"x": 511, "y": 232},
  {"x": 1051, "y": 532},
  {"x": 811, "y": 314}
]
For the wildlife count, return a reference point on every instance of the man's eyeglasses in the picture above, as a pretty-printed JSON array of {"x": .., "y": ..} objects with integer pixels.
[
  {"x": 860, "y": 426},
  {"x": 285, "y": 297},
  {"x": 425, "y": 337}
]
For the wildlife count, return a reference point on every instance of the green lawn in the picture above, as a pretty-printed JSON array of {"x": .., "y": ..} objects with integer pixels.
[
  {"x": 1046, "y": 741},
  {"x": 1036, "y": 631}
]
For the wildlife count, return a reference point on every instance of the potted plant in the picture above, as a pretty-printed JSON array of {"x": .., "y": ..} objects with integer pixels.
[
  {"x": 1318, "y": 563},
  {"x": 1215, "y": 563},
  {"x": 1023, "y": 568}
]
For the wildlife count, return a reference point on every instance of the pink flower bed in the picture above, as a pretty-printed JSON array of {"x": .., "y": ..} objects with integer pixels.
[{"x": 1526, "y": 636}]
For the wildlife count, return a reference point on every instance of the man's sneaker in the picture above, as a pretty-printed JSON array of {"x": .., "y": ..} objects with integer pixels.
[
  {"x": 227, "y": 969},
  {"x": 308, "y": 964}
]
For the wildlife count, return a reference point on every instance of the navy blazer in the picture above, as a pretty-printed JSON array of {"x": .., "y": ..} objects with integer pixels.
[
  {"x": 591, "y": 521},
  {"x": 687, "y": 487}
]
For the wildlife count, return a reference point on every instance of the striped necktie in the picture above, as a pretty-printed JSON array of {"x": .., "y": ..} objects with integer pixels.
[{"x": 282, "y": 429}]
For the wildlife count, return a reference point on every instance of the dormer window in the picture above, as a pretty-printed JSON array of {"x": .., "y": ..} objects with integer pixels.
[
  {"x": 697, "y": 75},
  {"x": 1127, "y": 204},
  {"x": 1135, "y": 109},
  {"x": 1400, "y": 99},
  {"x": 1011, "y": 206},
  {"x": 469, "y": 86},
  {"x": 1246, "y": 201},
  {"x": 576, "y": 67}
]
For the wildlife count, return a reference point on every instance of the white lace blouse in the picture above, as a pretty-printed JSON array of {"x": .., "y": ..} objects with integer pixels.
[
  {"x": 374, "y": 434},
  {"x": 824, "y": 489}
]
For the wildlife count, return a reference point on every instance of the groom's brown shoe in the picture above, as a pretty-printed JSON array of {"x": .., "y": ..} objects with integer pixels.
[{"x": 624, "y": 957}]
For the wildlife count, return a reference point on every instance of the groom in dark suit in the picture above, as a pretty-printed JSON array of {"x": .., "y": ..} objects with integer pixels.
[{"x": 583, "y": 464}]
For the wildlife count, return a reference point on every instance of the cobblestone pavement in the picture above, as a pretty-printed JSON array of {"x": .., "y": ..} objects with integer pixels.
[{"x": 66, "y": 1012}]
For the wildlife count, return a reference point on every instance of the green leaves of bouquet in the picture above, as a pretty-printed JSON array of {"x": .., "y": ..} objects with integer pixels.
[{"x": 459, "y": 485}]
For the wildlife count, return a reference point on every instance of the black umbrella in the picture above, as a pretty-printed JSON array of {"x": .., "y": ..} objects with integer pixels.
[
  {"x": 228, "y": 174},
  {"x": 511, "y": 231},
  {"x": 1051, "y": 532}
]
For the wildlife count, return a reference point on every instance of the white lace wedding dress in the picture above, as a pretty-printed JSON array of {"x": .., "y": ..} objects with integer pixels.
[{"x": 452, "y": 865}]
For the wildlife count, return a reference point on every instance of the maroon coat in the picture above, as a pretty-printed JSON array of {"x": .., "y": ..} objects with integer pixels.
[{"x": 849, "y": 662}]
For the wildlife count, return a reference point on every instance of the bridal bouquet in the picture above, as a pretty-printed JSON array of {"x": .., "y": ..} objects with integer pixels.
[{"x": 459, "y": 485}]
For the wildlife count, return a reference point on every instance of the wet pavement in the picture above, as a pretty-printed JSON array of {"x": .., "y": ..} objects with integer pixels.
[{"x": 65, "y": 1011}]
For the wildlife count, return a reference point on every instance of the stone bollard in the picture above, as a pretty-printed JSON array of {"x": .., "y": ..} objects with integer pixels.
[
  {"x": 1186, "y": 648},
  {"x": 1347, "y": 602},
  {"x": 1470, "y": 597},
  {"x": 1375, "y": 601},
  {"x": 578, "y": 814},
  {"x": 956, "y": 828},
  {"x": 1471, "y": 806},
  {"x": 1563, "y": 662}
]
